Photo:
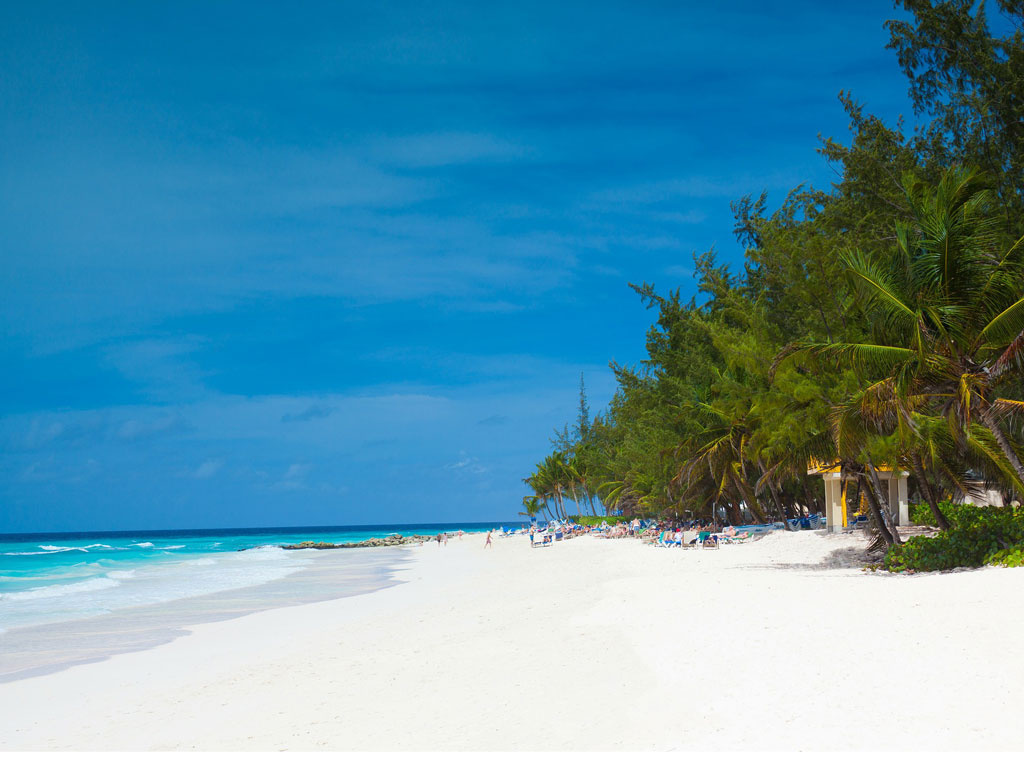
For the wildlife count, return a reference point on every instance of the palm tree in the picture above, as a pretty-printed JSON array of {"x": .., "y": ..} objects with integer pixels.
[
  {"x": 557, "y": 475},
  {"x": 577, "y": 471},
  {"x": 531, "y": 506},
  {"x": 721, "y": 457},
  {"x": 623, "y": 497},
  {"x": 930, "y": 450},
  {"x": 542, "y": 486},
  {"x": 551, "y": 480},
  {"x": 949, "y": 313},
  {"x": 860, "y": 448}
]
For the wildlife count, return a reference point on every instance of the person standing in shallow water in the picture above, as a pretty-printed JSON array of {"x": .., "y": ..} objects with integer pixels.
[{"x": 488, "y": 543}]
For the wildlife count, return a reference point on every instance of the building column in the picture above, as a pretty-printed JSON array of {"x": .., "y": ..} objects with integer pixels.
[
  {"x": 904, "y": 500},
  {"x": 828, "y": 502},
  {"x": 898, "y": 498},
  {"x": 834, "y": 504}
]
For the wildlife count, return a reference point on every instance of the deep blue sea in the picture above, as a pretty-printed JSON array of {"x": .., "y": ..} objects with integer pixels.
[{"x": 47, "y": 578}]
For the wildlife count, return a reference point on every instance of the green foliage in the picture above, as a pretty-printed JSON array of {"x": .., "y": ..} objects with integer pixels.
[
  {"x": 880, "y": 321},
  {"x": 921, "y": 514},
  {"x": 981, "y": 535},
  {"x": 594, "y": 520},
  {"x": 1012, "y": 557},
  {"x": 969, "y": 81}
]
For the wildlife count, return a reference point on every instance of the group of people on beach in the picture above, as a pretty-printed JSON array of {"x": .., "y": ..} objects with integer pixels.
[
  {"x": 665, "y": 533},
  {"x": 442, "y": 538},
  {"x": 661, "y": 531}
]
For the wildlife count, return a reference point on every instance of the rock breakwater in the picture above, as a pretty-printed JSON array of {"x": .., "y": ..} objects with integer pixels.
[{"x": 394, "y": 540}]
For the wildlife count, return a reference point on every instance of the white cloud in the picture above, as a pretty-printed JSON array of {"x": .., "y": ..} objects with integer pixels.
[
  {"x": 467, "y": 464},
  {"x": 694, "y": 187},
  {"x": 208, "y": 468},
  {"x": 296, "y": 471},
  {"x": 450, "y": 148}
]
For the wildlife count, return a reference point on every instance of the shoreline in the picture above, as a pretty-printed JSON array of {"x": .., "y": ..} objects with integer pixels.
[
  {"x": 773, "y": 644},
  {"x": 56, "y": 578},
  {"x": 42, "y": 649}
]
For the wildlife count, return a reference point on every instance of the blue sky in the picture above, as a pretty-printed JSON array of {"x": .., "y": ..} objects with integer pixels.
[{"x": 339, "y": 263}]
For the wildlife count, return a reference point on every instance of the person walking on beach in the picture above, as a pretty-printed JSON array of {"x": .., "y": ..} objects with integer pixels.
[
  {"x": 488, "y": 543},
  {"x": 444, "y": 538},
  {"x": 439, "y": 539}
]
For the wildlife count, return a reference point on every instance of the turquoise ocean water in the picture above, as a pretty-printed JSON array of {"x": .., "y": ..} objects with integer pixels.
[
  {"x": 76, "y": 598},
  {"x": 47, "y": 578}
]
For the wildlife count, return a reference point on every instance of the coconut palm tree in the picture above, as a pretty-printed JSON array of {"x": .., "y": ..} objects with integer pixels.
[
  {"x": 720, "y": 455},
  {"x": 551, "y": 480},
  {"x": 532, "y": 505},
  {"x": 949, "y": 313},
  {"x": 576, "y": 469}
]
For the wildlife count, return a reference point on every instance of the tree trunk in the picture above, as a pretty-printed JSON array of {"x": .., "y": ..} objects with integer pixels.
[
  {"x": 748, "y": 498},
  {"x": 993, "y": 426},
  {"x": 875, "y": 486},
  {"x": 779, "y": 506},
  {"x": 876, "y": 514},
  {"x": 780, "y": 510},
  {"x": 731, "y": 507},
  {"x": 735, "y": 515},
  {"x": 576, "y": 499},
  {"x": 811, "y": 497},
  {"x": 927, "y": 491}
]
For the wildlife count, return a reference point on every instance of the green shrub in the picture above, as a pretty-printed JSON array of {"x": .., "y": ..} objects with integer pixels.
[
  {"x": 979, "y": 536},
  {"x": 968, "y": 515},
  {"x": 921, "y": 514},
  {"x": 1011, "y": 557}
]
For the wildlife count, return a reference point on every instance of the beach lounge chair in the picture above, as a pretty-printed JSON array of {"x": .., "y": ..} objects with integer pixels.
[{"x": 707, "y": 540}]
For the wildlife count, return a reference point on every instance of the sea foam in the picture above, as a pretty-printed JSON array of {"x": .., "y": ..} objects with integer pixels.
[{"x": 59, "y": 590}]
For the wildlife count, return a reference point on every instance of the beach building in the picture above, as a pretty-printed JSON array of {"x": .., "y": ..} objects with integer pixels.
[{"x": 836, "y": 514}]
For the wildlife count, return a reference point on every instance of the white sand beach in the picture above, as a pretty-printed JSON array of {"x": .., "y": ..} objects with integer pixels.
[{"x": 586, "y": 645}]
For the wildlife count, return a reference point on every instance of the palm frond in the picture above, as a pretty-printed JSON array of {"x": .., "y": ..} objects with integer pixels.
[
  {"x": 879, "y": 287},
  {"x": 1006, "y": 325}
]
